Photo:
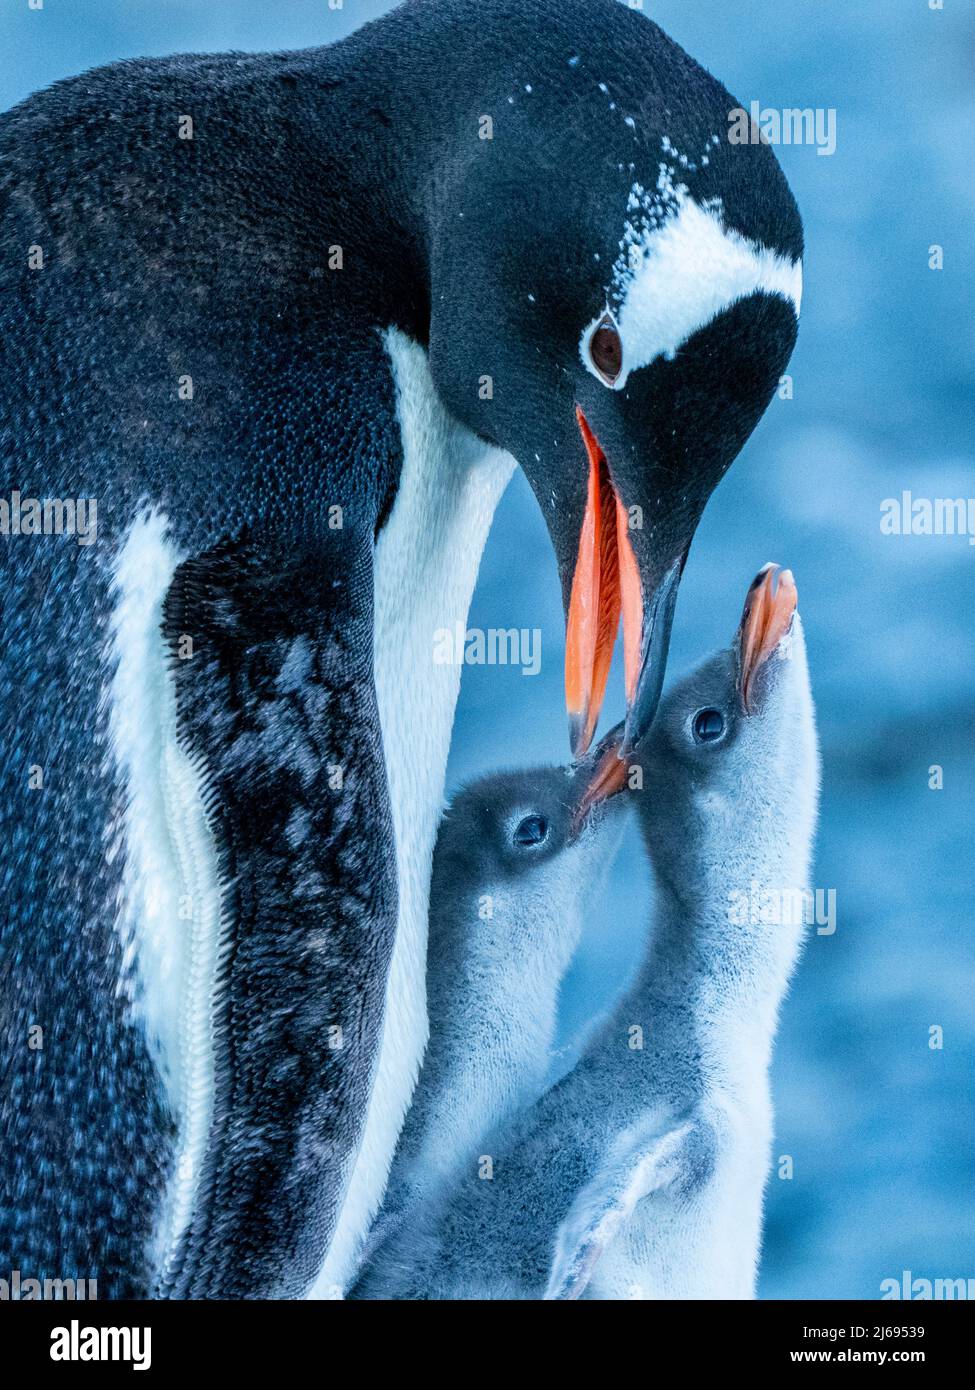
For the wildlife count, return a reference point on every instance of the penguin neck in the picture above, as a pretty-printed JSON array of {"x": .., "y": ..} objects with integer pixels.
[
  {"x": 719, "y": 964},
  {"x": 488, "y": 1054}
]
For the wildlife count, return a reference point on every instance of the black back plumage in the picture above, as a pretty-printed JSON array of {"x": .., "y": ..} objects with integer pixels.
[{"x": 153, "y": 268}]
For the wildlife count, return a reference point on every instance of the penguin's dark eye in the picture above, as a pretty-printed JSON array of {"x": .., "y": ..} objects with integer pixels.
[
  {"x": 531, "y": 831},
  {"x": 708, "y": 725},
  {"x": 606, "y": 350}
]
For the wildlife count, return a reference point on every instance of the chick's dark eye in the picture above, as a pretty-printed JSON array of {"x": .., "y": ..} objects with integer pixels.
[
  {"x": 606, "y": 351},
  {"x": 708, "y": 725},
  {"x": 531, "y": 831}
]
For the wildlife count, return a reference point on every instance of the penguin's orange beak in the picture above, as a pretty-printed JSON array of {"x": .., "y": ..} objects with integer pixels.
[
  {"x": 605, "y": 585},
  {"x": 767, "y": 617}
]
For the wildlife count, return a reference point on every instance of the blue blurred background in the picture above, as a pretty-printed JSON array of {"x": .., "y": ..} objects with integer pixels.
[{"x": 879, "y": 1125}]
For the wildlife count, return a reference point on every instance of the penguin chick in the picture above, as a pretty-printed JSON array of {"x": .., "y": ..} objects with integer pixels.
[
  {"x": 728, "y": 808},
  {"x": 519, "y": 857},
  {"x": 642, "y": 1173}
]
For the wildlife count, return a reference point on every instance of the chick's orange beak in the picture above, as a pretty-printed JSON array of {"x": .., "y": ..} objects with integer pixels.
[
  {"x": 604, "y": 773},
  {"x": 769, "y": 608}
]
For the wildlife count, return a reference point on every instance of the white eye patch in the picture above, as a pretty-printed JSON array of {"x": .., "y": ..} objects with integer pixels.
[{"x": 679, "y": 267}]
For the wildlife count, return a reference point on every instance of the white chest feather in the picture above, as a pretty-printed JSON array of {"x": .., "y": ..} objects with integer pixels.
[
  {"x": 169, "y": 916},
  {"x": 426, "y": 564}
]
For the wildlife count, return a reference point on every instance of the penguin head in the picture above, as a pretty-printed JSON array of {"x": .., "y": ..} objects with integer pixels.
[
  {"x": 614, "y": 297},
  {"x": 522, "y": 850},
  {"x": 508, "y": 825},
  {"x": 731, "y": 769}
]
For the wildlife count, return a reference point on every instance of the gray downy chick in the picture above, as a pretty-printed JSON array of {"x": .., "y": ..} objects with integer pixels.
[
  {"x": 641, "y": 1174},
  {"x": 519, "y": 859}
]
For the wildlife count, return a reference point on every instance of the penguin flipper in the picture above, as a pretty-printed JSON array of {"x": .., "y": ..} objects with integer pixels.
[
  {"x": 276, "y": 707},
  {"x": 642, "y": 1163}
]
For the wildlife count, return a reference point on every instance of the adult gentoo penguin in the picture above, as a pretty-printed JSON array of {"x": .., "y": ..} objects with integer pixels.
[
  {"x": 520, "y": 857},
  {"x": 641, "y": 1174},
  {"x": 291, "y": 320}
]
